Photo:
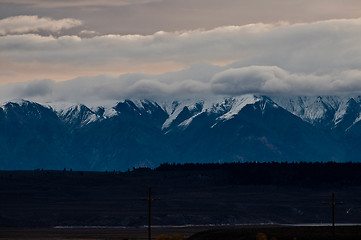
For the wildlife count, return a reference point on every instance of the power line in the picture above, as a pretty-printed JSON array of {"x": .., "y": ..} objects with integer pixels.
[
  {"x": 150, "y": 199},
  {"x": 333, "y": 203}
]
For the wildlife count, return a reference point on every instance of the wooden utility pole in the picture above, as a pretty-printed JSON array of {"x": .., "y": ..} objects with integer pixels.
[
  {"x": 333, "y": 203},
  {"x": 150, "y": 199}
]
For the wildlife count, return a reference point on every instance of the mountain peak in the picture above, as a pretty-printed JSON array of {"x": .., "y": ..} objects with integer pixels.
[{"x": 130, "y": 133}]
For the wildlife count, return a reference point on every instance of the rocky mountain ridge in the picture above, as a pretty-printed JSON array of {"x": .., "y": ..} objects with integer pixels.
[{"x": 133, "y": 133}]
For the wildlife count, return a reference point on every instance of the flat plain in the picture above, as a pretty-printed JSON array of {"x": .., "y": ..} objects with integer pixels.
[
  {"x": 44, "y": 204},
  {"x": 192, "y": 233}
]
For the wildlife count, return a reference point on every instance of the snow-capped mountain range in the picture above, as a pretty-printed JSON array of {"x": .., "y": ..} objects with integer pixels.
[{"x": 131, "y": 133}]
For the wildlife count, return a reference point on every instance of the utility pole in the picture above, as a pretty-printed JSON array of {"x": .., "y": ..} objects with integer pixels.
[
  {"x": 333, "y": 203},
  {"x": 150, "y": 199}
]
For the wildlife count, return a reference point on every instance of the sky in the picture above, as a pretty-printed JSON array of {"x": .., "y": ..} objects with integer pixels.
[{"x": 76, "y": 50}]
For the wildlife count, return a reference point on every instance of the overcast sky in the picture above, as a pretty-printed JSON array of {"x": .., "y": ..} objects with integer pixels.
[{"x": 110, "y": 49}]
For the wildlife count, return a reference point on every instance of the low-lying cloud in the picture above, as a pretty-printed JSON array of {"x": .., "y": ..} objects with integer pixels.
[
  {"x": 259, "y": 80},
  {"x": 272, "y": 80}
]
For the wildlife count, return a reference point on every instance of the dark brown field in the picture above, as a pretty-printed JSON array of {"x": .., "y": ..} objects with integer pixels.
[
  {"x": 34, "y": 203},
  {"x": 281, "y": 233},
  {"x": 192, "y": 233},
  {"x": 94, "y": 233},
  {"x": 209, "y": 195}
]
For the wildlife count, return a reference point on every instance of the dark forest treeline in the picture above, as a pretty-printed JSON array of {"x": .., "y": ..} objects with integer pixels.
[
  {"x": 275, "y": 173},
  {"x": 250, "y": 173}
]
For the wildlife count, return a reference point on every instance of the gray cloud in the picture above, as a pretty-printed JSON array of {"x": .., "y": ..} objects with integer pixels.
[
  {"x": 263, "y": 80},
  {"x": 183, "y": 84},
  {"x": 247, "y": 80},
  {"x": 26, "y": 24},
  {"x": 276, "y": 81},
  {"x": 78, "y": 3},
  {"x": 88, "y": 33},
  {"x": 34, "y": 89},
  {"x": 139, "y": 86},
  {"x": 315, "y": 47},
  {"x": 149, "y": 16},
  {"x": 319, "y": 58}
]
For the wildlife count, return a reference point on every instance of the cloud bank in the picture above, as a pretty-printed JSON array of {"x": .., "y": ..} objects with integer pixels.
[
  {"x": 219, "y": 82},
  {"x": 316, "y": 47},
  {"x": 272, "y": 80},
  {"x": 27, "y": 24},
  {"x": 78, "y": 3},
  {"x": 320, "y": 58}
]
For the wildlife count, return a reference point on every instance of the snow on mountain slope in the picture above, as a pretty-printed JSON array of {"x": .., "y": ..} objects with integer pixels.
[
  {"x": 127, "y": 133},
  {"x": 224, "y": 107},
  {"x": 81, "y": 114},
  {"x": 235, "y": 105},
  {"x": 24, "y": 109},
  {"x": 181, "y": 112},
  {"x": 78, "y": 115},
  {"x": 327, "y": 111},
  {"x": 310, "y": 109}
]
